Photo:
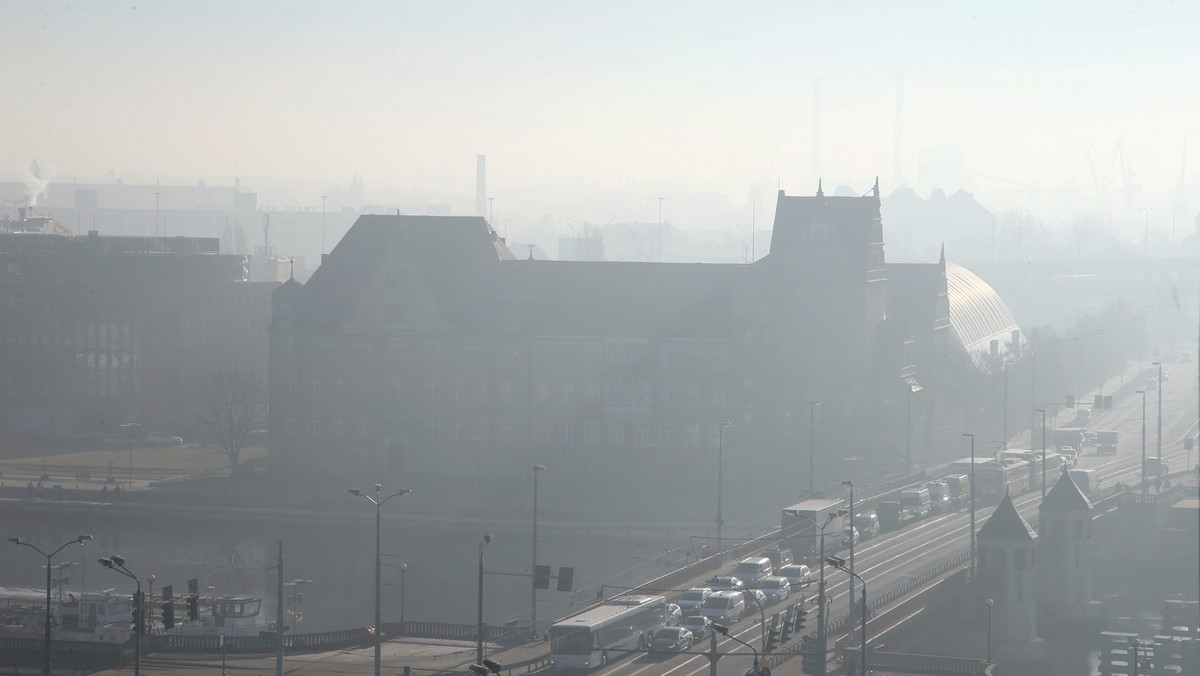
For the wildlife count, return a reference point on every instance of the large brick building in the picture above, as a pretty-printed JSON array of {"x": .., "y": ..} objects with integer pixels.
[
  {"x": 100, "y": 331},
  {"x": 423, "y": 352}
]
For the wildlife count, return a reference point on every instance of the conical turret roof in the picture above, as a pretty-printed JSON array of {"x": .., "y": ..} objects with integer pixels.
[
  {"x": 1065, "y": 496},
  {"x": 1006, "y": 524}
]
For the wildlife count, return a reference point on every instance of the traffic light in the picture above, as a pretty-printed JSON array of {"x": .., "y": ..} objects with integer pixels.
[
  {"x": 812, "y": 654},
  {"x": 772, "y": 640},
  {"x": 193, "y": 607},
  {"x": 541, "y": 577},
  {"x": 801, "y": 617},
  {"x": 168, "y": 615},
  {"x": 566, "y": 576}
]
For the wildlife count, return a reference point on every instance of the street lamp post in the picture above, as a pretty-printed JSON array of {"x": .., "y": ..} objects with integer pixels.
[
  {"x": 1043, "y": 412},
  {"x": 322, "y": 225},
  {"x": 149, "y": 626},
  {"x": 1143, "y": 393},
  {"x": 972, "y": 437},
  {"x": 821, "y": 587},
  {"x": 724, "y": 631},
  {"x": 1158, "y": 437},
  {"x": 850, "y": 484},
  {"x": 533, "y": 564},
  {"x": 720, "y": 466},
  {"x": 117, "y": 563},
  {"x": 1005, "y": 426},
  {"x": 487, "y": 540},
  {"x": 19, "y": 541},
  {"x": 378, "y": 502},
  {"x": 990, "y": 603},
  {"x": 837, "y": 562},
  {"x": 403, "y": 570},
  {"x": 812, "y": 442}
]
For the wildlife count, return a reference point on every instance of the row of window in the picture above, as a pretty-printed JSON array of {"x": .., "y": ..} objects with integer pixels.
[
  {"x": 588, "y": 432},
  {"x": 621, "y": 392},
  {"x": 545, "y": 353}
]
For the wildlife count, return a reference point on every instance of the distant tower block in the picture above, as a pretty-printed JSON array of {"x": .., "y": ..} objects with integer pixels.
[
  {"x": 481, "y": 185},
  {"x": 1064, "y": 572}
]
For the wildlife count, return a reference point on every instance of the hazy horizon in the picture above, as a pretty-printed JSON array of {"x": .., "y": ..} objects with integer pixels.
[{"x": 571, "y": 100}]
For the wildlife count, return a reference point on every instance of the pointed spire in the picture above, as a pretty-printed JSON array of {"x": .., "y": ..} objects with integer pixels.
[
  {"x": 942, "y": 259},
  {"x": 820, "y": 191},
  {"x": 291, "y": 268},
  {"x": 876, "y": 189}
]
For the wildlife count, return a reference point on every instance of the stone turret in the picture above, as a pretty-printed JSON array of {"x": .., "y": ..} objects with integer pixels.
[
  {"x": 1007, "y": 556},
  {"x": 1064, "y": 578}
]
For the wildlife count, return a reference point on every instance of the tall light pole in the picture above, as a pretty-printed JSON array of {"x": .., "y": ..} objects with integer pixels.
[
  {"x": 378, "y": 502},
  {"x": 972, "y": 437},
  {"x": 323, "y": 223},
  {"x": 156, "y": 193},
  {"x": 724, "y": 631},
  {"x": 821, "y": 587},
  {"x": 1158, "y": 437},
  {"x": 533, "y": 564},
  {"x": 1043, "y": 412},
  {"x": 117, "y": 563},
  {"x": 403, "y": 570},
  {"x": 1143, "y": 393},
  {"x": 720, "y": 465},
  {"x": 487, "y": 540},
  {"x": 19, "y": 541},
  {"x": 812, "y": 443},
  {"x": 850, "y": 484},
  {"x": 1033, "y": 398},
  {"x": 990, "y": 603},
  {"x": 838, "y": 563},
  {"x": 1004, "y": 428}
]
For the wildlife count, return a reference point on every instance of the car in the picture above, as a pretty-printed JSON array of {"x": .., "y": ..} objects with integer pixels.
[
  {"x": 797, "y": 574},
  {"x": 699, "y": 625},
  {"x": 777, "y": 588},
  {"x": 118, "y": 440},
  {"x": 160, "y": 439},
  {"x": 1152, "y": 384},
  {"x": 755, "y": 598},
  {"x": 867, "y": 525},
  {"x": 671, "y": 639},
  {"x": 726, "y": 583},
  {"x": 674, "y": 615},
  {"x": 691, "y": 600},
  {"x": 849, "y": 536},
  {"x": 1070, "y": 454}
]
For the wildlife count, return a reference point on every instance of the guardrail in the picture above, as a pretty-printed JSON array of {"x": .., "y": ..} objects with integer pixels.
[{"x": 923, "y": 664}]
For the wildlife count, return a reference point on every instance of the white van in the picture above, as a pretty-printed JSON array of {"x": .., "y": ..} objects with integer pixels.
[
  {"x": 752, "y": 570},
  {"x": 916, "y": 502},
  {"x": 725, "y": 607}
]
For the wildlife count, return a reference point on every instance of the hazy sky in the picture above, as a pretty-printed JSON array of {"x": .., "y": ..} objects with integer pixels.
[{"x": 692, "y": 96}]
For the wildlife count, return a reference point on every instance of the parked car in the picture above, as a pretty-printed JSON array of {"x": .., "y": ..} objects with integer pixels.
[
  {"x": 776, "y": 588},
  {"x": 726, "y": 583},
  {"x": 671, "y": 639},
  {"x": 699, "y": 625},
  {"x": 797, "y": 574},
  {"x": 674, "y": 615},
  {"x": 160, "y": 439},
  {"x": 755, "y": 598},
  {"x": 691, "y": 600}
]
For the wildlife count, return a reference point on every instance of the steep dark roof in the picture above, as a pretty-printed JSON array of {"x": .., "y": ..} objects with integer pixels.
[
  {"x": 1065, "y": 496},
  {"x": 1006, "y": 524}
]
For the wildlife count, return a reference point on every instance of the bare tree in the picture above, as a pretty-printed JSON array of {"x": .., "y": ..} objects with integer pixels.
[{"x": 229, "y": 405}]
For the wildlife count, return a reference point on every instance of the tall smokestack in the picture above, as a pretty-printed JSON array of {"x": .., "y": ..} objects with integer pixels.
[
  {"x": 481, "y": 185},
  {"x": 898, "y": 168},
  {"x": 816, "y": 129}
]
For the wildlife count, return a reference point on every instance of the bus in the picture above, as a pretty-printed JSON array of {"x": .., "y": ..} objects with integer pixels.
[
  {"x": 1007, "y": 476},
  {"x": 622, "y": 624}
]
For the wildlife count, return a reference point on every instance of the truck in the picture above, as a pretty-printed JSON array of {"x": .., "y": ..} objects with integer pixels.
[
  {"x": 939, "y": 496},
  {"x": 1155, "y": 467},
  {"x": 801, "y": 524},
  {"x": 1070, "y": 436},
  {"x": 960, "y": 489},
  {"x": 1088, "y": 480},
  {"x": 916, "y": 502},
  {"x": 891, "y": 517},
  {"x": 1106, "y": 442}
]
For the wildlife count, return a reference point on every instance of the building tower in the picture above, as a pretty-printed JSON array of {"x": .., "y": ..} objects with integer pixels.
[
  {"x": 1064, "y": 578},
  {"x": 481, "y": 186},
  {"x": 1007, "y": 554}
]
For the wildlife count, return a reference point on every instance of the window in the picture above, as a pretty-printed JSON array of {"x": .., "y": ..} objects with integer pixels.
[
  {"x": 290, "y": 386},
  {"x": 567, "y": 352},
  {"x": 566, "y": 392},
  {"x": 591, "y": 432},
  {"x": 432, "y": 390},
  {"x": 432, "y": 348},
  {"x": 541, "y": 433},
  {"x": 314, "y": 387},
  {"x": 616, "y": 435},
  {"x": 396, "y": 348},
  {"x": 566, "y": 432},
  {"x": 339, "y": 387},
  {"x": 456, "y": 390},
  {"x": 313, "y": 423},
  {"x": 665, "y": 436},
  {"x": 591, "y": 354},
  {"x": 505, "y": 430},
  {"x": 364, "y": 387},
  {"x": 543, "y": 393},
  {"x": 338, "y": 426},
  {"x": 481, "y": 390},
  {"x": 363, "y": 426},
  {"x": 718, "y": 397},
  {"x": 398, "y": 388},
  {"x": 433, "y": 430},
  {"x": 506, "y": 391},
  {"x": 593, "y": 393},
  {"x": 693, "y": 436},
  {"x": 362, "y": 347}
]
